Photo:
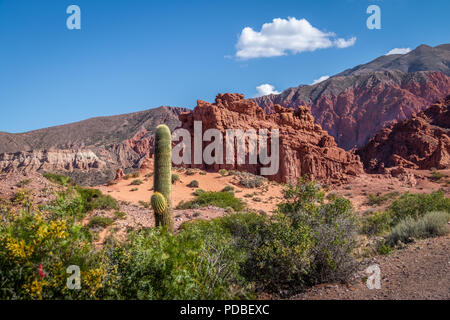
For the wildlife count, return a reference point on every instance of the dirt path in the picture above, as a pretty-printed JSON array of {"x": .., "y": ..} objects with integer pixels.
[{"x": 420, "y": 271}]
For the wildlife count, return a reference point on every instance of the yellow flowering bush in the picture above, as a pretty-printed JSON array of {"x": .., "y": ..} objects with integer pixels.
[{"x": 35, "y": 252}]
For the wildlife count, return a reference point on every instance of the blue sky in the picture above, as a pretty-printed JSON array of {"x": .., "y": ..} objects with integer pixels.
[{"x": 134, "y": 55}]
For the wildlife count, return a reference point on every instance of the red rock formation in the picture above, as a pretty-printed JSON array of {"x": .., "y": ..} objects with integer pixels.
[
  {"x": 305, "y": 149},
  {"x": 354, "y": 108},
  {"x": 422, "y": 142}
]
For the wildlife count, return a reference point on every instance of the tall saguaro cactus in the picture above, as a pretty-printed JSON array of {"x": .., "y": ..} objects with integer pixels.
[{"x": 163, "y": 176}]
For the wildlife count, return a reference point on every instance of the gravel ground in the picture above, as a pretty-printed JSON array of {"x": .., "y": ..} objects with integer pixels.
[{"x": 421, "y": 271}]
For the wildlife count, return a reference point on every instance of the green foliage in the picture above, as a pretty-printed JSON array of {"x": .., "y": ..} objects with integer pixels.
[
  {"x": 120, "y": 215},
  {"x": 175, "y": 178},
  {"x": 417, "y": 205},
  {"x": 198, "y": 263},
  {"x": 193, "y": 184},
  {"x": 22, "y": 196},
  {"x": 223, "y": 172},
  {"x": 333, "y": 226},
  {"x": 163, "y": 173},
  {"x": 101, "y": 222},
  {"x": 249, "y": 180},
  {"x": 436, "y": 175},
  {"x": 217, "y": 199},
  {"x": 228, "y": 189},
  {"x": 431, "y": 224},
  {"x": 93, "y": 199},
  {"x": 379, "y": 199},
  {"x": 384, "y": 248},
  {"x": 58, "y": 178},
  {"x": 30, "y": 242},
  {"x": 197, "y": 192},
  {"x": 136, "y": 182},
  {"x": 377, "y": 223}
]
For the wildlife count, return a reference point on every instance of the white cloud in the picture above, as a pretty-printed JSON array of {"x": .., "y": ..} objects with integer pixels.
[
  {"x": 265, "y": 89},
  {"x": 281, "y": 36},
  {"x": 342, "y": 43},
  {"x": 322, "y": 78},
  {"x": 399, "y": 51}
]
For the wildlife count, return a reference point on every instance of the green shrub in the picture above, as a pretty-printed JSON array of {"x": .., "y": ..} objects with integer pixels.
[
  {"x": 333, "y": 226},
  {"x": 93, "y": 199},
  {"x": 22, "y": 196},
  {"x": 217, "y": 199},
  {"x": 223, "y": 172},
  {"x": 193, "y": 184},
  {"x": 58, "y": 178},
  {"x": 436, "y": 175},
  {"x": 101, "y": 222},
  {"x": 379, "y": 199},
  {"x": 377, "y": 223},
  {"x": 120, "y": 215},
  {"x": 228, "y": 189},
  {"x": 197, "y": 192},
  {"x": 416, "y": 205},
  {"x": 134, "y": 189},
  {"x": 249, "y": 180},
  {"x": 175, "y": 178},
  {"x": 190, "y": 172},
  {"x": 198, "y": 263},
  {"x": 384, "y": 248},
  {"x": 34, "y": 255},
  {"x": 430, "y": 225},
  {"x": 136, "y": 182}
]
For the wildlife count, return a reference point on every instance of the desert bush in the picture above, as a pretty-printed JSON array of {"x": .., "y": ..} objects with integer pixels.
[
  {"x": 417, "y": 205},
  {"x": 120, "y": 215},
  {"x": 379, "y": 199},
  {"x": 190, "y": 172},
  {"x": 217, "y": 199},
  {"x": 333, "y": 226},
  {"x": 175, "y": 178},
  {"x": 249, "y": 180},
  {"x": 430, "y": 225},
  {"x": 136, "y": 182},
  {"x": 93, "y": 199},
  {"x": 101, "y": 222},
  {"x": 34, "y": 255},
  {"x": 58, "y": 178},
  {"x": 197, "y": 192},
  {"x": 223, "y": 172},
  {"x": 198, "y": 263},
  {"x": 376, "y": 223},
  {"x": 193, "y": 184},
  {"x": 22, "y": 196},
  {"x": 436, "y": 175},
  {"x": 228, "y": 189}
]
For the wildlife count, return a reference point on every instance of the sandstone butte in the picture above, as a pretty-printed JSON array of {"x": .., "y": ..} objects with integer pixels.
[
  {"x": 421, "y": 142},
  {"x": 305, "y": 149}
]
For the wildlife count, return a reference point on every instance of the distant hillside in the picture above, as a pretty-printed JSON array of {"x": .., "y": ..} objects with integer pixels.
[
  {"x": 91, "y": 150},
  {"x": 355, "y": 104},
  {"x": 423, "y": 58}
]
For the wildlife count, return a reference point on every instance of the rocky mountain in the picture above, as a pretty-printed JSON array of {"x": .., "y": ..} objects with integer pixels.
[
  {"x": 89, "y": 151},
  {"x": 355, "y": 104},
  {"x": 421, "y": 142},
  {"x": 423, "y": 58},
  {"x": 305, "y": 148}
]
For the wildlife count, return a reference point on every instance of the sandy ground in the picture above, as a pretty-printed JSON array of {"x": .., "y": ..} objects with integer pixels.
[
  {"x": 266, "y": 197},
  {"x": 263, "y": 198}
]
